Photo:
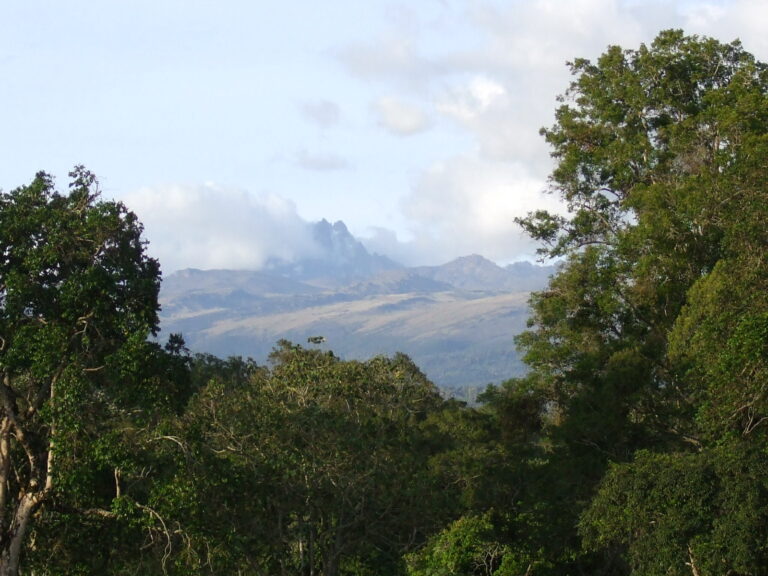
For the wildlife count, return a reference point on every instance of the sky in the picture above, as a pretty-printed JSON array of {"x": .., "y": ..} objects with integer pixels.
[{"x": 230, "y": 125}]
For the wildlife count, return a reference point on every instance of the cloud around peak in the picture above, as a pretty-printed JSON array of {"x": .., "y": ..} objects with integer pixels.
[{"x": 211, "y": 227}]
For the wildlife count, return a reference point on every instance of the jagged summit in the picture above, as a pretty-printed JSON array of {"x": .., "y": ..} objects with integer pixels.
[
  {"x": 336, "y": 242},
  {"x": 339, "y": 258}
]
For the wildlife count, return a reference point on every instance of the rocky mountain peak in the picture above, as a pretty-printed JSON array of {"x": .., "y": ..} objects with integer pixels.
[
  {"x": 339, "y": 259},
  {"x": 336, "y": 242}
]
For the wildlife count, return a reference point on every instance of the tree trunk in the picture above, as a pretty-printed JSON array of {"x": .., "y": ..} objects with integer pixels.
[
  {"x": 10, "y": 555},
  {"x": 5, "y": 469},
  {"x": 33, "y": 486}
]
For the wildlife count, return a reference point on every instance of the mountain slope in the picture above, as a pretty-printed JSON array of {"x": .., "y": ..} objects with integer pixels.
[
  {"x": 456, "y": 321},
  {"x": 477, "y": 273}
]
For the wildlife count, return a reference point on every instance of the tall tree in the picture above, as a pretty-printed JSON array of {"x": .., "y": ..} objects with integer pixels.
[
  {"x": 658, "y": 156},
  {"x": 78, "y": 298}
]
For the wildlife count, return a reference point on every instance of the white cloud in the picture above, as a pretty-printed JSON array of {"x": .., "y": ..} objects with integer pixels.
[
  {"x": 468, "y": 101},
  {"x": 492, "y": 92},
  {"x": 212, "y": 227},
  {"x": 400, "y": 117},
  {"x": 703, "y": 15},
  {"x": 500, "y": 91},
  {"x": 467, "y": 205},
  {"x": 727, "y": 21},
  {"x": 539, "y": 36}
]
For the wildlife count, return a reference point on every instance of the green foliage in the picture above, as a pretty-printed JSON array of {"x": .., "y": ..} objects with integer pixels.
[
  {"x": 466, "y": 548},
  {"x": 658, "y": 506},
  {"x": 310, "y": 464},
  {"x": 675, "y": 513},
  {"x": 650, "y": 343},
  {"x": 80, "y": 382}
]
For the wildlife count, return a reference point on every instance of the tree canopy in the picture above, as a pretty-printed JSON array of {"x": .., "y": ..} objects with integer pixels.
[
  {"x": 644, "y": 411},
  {"x": 650, "y": 340},
  {"x": 78, "y": 298}
]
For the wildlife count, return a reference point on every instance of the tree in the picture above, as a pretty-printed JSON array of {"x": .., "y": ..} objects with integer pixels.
[
  {"x": 467, "y": 547},
  {"x": 646, "y": 356},
  {"x": 78, "y": 298},
  {"x": 311, "y": 465},
  {"x": 490, "y": 464}
]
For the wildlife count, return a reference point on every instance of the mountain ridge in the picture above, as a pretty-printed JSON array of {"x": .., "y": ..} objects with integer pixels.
[{"x": 457, "y": 321}]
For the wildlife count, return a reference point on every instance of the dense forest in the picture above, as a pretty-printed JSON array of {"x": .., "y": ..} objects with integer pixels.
[{"x": 636, "y": 444}]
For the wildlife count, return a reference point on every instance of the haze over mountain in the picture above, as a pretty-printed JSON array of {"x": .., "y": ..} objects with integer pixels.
[
  {"x": 457, "y": 321},
  {"x": 338, "y": 258}
]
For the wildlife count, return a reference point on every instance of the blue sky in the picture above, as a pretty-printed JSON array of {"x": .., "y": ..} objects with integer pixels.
[{"x": 227, "y": 125}]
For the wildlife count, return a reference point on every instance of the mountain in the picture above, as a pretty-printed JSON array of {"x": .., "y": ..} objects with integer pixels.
[
  {"x": 457, "y": 321},
  {"x": 340, "y": 259},
  {"x": 477, "y": 273}
]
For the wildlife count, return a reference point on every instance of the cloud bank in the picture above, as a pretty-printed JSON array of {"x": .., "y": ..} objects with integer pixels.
[
  {"x": 481, "y": 76},
  {"x": 498, "y": 91},
  {"x": 212, "y": 227},
  {"x": 463, "y": 206}
]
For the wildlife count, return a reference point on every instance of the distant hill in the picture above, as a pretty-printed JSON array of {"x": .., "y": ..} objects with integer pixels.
[
  {"x": 456, "y": 321},
  {"x": 477, "y": 273}
]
